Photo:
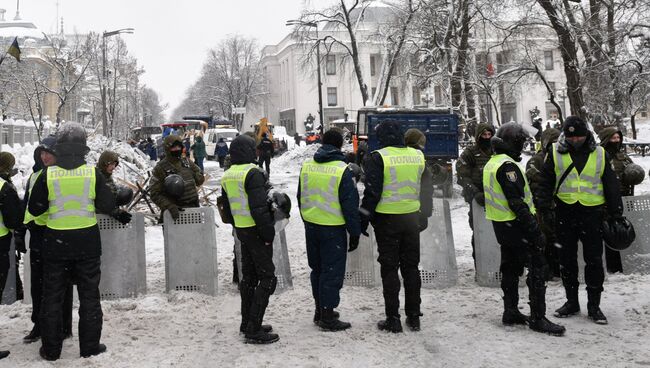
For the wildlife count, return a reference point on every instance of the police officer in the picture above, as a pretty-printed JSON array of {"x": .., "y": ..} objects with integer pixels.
[
  {"x": 579, "y": 181},
  {"x": 469, "y": 169},
  {"x": 509, "y": 205},
  {"x": 628, "y": 173},
  {"x": 10, "y": 218},
  {"x": 534, "y": 168},
  {"x": 43, "y": 157},
  {"x": 245, "y": 189},
  {"x": 174, "y": 163},
  {"x": 70, "y": 192},
  {"x": 329, "y": 205},
  {"x": 392, "y": 202},
  {"x": 107, "y": 163}
]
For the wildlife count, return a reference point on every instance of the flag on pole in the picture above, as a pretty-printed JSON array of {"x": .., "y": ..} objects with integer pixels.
[{"x": 14, "y": 50}]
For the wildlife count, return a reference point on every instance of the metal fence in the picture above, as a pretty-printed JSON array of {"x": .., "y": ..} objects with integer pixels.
[{"x": 11, "y": 134}]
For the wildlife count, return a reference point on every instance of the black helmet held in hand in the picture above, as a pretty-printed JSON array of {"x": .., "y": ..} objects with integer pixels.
[
  {"x": 174, "y": 186},
  {"x": 618, "y": 233},
  {"x": 282, "y": 202},
  {"x": 124, "y": 196},
  {"x": 633, "y": 174},
  {"x": 510, "y": 139}
]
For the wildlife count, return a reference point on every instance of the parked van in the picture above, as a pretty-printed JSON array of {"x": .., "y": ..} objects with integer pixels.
[{"x": 212, "y": 137}]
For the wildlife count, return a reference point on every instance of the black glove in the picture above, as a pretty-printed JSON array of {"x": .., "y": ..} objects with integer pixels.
[
  {"x": 353, "y": 243},
  {"x": 364, "y": 225},
  {"x": 174, "y": 211},
  {"x": 480, "y": 198},
  {"x": 122, "y": 216},
  {"x": 19, "y": 242}
]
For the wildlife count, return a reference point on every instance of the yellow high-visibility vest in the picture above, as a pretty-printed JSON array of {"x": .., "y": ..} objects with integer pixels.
[
  {"x": 71, "y": 194},
  {"x": 319, "y": 192},
  {"x": 403, "y": 168},
  {"x": 496, "y": 204},
  {"x": 40, "y": 220},
  {"x": 233, "y": 182},
  {"x": 586, "y": 187}
]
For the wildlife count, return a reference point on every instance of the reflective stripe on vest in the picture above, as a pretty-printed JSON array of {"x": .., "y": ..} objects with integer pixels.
[
  {"x": 72, "y": 198},
  {"x": 3, "y": 229},
  {"x": 319, "y": 192},
  {"x": 496, "y": 204},
  {"x": 233, "y": 182},
  {"x": 40, "y": 220},
  {"x": 586, "y": 187},
  {"x": 403, "y": 168}
]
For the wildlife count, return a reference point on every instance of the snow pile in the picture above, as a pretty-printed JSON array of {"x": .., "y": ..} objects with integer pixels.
[
  {"x": 134, "y": 164},
  {"x": 292, "y": 159}
]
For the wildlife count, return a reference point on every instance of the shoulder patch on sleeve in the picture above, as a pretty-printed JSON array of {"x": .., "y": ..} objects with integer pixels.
[{"x": 512, "y": 176}]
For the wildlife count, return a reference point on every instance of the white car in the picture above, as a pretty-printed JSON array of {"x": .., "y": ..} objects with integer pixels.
[{"x": 212, "y": 137}]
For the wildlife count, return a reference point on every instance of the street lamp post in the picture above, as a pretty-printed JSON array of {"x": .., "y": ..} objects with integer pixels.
[
  {"x": 104, "y": 73},
  {"x": 320, "y": 84}
]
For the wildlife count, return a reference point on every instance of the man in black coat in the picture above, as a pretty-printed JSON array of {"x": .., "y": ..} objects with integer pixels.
[
  {"x": 579, "y": 210},
  {"x": 71, "y": 255},
  {"x": 397, "y": 232},
  {"x": 266, "y": 151},
  {"x": 254, "y": 227}
]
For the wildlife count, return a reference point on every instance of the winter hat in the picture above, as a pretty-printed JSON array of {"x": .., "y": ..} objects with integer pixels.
[
  {"x": 415, "y": 138},
  {"x": 7, "y": 161},
  {"x": 574, "y": 127},
  {"x": 333, "y": 137},
  {"x": 389, "y": 134},
  {"x": 106, "y": 158}
]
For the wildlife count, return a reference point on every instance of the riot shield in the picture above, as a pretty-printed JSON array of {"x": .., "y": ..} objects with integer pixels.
[
  {"x": 122, "y": 250},
  {"x": 9, "y": 291},
  {"x": 191, "y": 251},
  {"x": 437, "y": 253},
  {"x": 361, "y": 266},
  {"x": 636, "y": 258},
  {"x": 487, "y": 252}
]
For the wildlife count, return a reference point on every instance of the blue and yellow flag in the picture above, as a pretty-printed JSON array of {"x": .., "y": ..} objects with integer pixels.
[{"x": 14, "y": 50}]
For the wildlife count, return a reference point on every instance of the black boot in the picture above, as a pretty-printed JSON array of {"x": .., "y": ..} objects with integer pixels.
[
  {"x": 317, "y": 315},
  {"x": 390, "y": 324},
  {"x": 4, "y": 354},
  {"x": 255, "y": 334},
  {"x": 33, "y": 336},
  {"x": 572, "y": 306},
  {"x": 45, "y": 356},
  {"x": 265, "y": 328},
  {"x": 101, "y": 348},
  {"x": 259, "y": 336},
  {"x": 593, "y": 307},
  {"x": 542, "y": 324},
  {"x": 511, "y": 314},
  {"x": 330, "y": 321},
  {"x": 413, "y": 322}
]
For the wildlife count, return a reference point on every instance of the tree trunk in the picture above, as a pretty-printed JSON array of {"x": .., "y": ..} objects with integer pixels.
[
  {"x": 355, "y": 55},
  {"x": 461, "y": 63}
]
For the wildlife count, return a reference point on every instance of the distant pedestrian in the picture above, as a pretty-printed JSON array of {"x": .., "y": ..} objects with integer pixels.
[
  {"x": 297, "y": 139},
  {"x": 266, "y": 151},
  {"x": 198, "y": 150},
  {"x": 221, "y": 151},
  {"x": 151, "y": 150}
]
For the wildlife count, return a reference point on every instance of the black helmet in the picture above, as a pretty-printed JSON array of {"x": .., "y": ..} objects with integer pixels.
[
  {"x": 47, "y": 143},
  {"x": 618, "y": 233},
  {"x": 71, "y": 140},
  {"x": 633, "y": 174},
  {"x": 124, "y": 196},
  {"x": 174, "y": 186},
  {"x": 283, "y": 202},
  {"x": 510, "y": 139}
]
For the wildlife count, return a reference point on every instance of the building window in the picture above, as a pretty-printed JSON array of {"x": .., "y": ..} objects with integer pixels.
[
  {"x": 330, "y": 65},
  {"x": 548, "y": 60},
  {"x": 332, "y": 98},
  {"x": 437, "y": 91},
  {"x": 417, "y": 96},
  {"x": 394, "y": 96},
  {"x": 373, "y": 67}
]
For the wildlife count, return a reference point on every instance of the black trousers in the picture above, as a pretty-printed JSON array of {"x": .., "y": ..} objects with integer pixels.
[
  {"x": 57, "y": 276},
  {"x": 265, "y": 160},
  {"x": 517, "y": 254},
  {"x": 326, "y": 254},
  {"x": 582, "y": 224},
  {"x": 258, "y": 277},
  {"x": 398, "y": 243},
  {"x": 4, "y": 269},
  {"x": 36, "y": 272}
]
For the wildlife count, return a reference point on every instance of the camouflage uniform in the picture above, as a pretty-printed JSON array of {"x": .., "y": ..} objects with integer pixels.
[
  {"x": 533, "y": 174},
  {"x": 469, "y": 169},
  {"x": 188, "y": 170}
]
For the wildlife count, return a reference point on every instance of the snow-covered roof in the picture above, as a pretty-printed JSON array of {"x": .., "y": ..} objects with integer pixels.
[{"x": 20, "y": 29}]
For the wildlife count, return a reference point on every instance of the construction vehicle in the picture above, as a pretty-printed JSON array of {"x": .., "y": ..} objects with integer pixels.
[
  {"x": 264, "y": 126},
  {"x": 440, "y": 127}
]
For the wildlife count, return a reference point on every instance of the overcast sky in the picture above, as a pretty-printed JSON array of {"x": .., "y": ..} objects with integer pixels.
[{"x": 171, "y": 36}]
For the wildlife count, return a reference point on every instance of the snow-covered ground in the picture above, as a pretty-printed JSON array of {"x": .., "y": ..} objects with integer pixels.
[{"x": 461, "y": 325}]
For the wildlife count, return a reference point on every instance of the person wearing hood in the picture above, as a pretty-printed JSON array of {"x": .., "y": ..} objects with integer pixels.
[
  {"x": 393, "y": 201},
  {"x": 579, "y": 182},
  {"x": 469, "y": 169},
  {"x": 244, "y": 187},
  {"x": 43, "y": 157},
  {"x": 199, "y": 152},
  {"x": 266, "y": 151},
  {"x": 628, "y": 174},
  {"x": 329, "y": 206},
  {"x": 151, "y": 150},
  {"x": 175, "y": 163},
  {"x": 71, "y": 192},
  {"x": 534, "y": 167},
  {"x": 509, "y": 205},
  {"x": 221, "y": 151},
  {"x": 107, "y": 163}
]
